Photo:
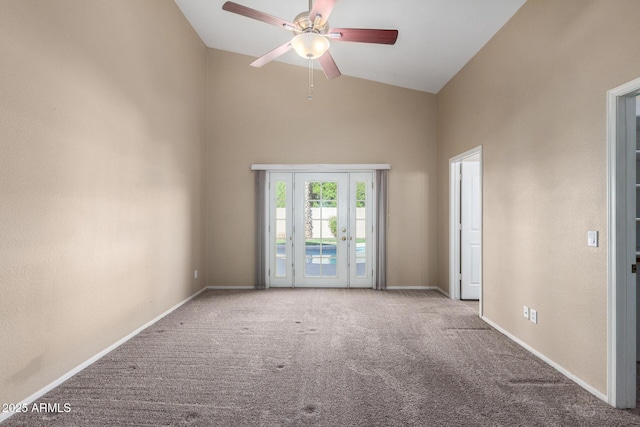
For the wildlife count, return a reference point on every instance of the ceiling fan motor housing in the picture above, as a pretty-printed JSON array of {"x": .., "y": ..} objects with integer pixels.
[{"x": 304, "y": 24}]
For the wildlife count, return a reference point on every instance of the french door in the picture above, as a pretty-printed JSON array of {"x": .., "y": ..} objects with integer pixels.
[{"x": 321, "y": 229}]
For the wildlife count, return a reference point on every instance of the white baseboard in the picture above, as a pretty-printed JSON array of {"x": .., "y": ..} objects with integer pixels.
[
  {"x": 409, "y": 288},
  {"x": 416, "y": 288},
  {"x": 390, "y": 288},
  {"x": 29, "y": 400},
  {"x": 548, "y": 361},
  {"x": 445, "y": 293}
]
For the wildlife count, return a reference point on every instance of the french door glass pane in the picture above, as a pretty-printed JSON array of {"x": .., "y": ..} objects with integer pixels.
[
  {"x": 281, "y": 229},
  {"x": 320, "y": 220},
  {"x": 361, "y": 229}
]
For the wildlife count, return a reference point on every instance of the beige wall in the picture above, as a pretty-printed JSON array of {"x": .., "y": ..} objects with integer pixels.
[
  {"x": 101, "y": 178},
  {"x": 103, "y": 133},
  {"x": 263, "y": 116},
  {"x": 534, "y": 98}
]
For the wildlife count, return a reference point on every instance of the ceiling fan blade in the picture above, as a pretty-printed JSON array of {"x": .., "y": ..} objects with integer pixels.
[
  {"x": 322, "y": 8},
  {"x": 329, "y": 66},
  {"x": 256, "y": 14},
  {"x": 280, "y": 50},
  {"x": 363, "y": 35}
]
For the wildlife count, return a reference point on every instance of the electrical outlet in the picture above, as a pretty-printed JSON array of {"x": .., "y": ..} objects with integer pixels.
[
  {"x": 525, "y": 311},
  {"x": 195, "y": 274},
  {"x": 533, "y": 315}
]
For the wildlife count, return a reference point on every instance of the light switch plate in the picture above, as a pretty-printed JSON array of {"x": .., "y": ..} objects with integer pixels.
[
  {"x": 592, "y": 238},
  {"x": 533, "y": 315},
  {"x": 525, "y": 311}
]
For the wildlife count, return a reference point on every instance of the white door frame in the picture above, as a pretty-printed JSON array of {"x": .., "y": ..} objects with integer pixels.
[
  {"x": 454, "y": 222},
  {"x": 621, "y": 283}
]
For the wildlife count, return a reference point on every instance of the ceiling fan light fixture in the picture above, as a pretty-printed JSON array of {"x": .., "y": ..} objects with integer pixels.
[{"x": 310, "y": 45}]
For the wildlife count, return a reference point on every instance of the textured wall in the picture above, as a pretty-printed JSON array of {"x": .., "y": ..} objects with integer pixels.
[
  {"x": 101, "y": 178},
  {"x": 534, "y": 98},
  {"x": 263, "y": 116}
]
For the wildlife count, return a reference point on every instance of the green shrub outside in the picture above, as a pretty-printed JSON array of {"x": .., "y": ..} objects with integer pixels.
[{"x": 333, "y": 225}]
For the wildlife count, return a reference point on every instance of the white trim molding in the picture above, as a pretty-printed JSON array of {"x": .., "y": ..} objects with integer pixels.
[
  {"x": 548, "y": 361},
  {"x": 228, "y": 288},
  {"x": 320, "y": 167},
  {"x": 29, "y": 400},
  {"x": 621, "y": 286}
]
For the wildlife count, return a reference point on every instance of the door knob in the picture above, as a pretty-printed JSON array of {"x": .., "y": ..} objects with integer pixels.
[
  {"x": 344, "y": 238},
  {"x": 344, "y": 230}
]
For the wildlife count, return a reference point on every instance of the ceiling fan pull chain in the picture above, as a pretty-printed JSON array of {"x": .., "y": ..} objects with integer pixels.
[{"x": 309, "y": 97}]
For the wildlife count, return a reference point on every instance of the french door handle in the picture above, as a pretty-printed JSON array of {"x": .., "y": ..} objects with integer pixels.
[{"x": 344, "y": 238}]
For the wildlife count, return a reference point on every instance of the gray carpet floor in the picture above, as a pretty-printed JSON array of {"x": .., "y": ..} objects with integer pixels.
[{"x": 322, "y": 357}]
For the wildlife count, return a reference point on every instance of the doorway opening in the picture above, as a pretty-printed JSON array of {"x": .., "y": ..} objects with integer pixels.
[
  {"x": 465, "y": 226},
  {"x": 623, "y": 158},
  {"x": 321, "y": 226},
  {"x": 322, "y": 231}
]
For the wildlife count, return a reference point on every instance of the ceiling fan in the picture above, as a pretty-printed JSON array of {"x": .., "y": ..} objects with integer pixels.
[{"x": 312, "y": 34}]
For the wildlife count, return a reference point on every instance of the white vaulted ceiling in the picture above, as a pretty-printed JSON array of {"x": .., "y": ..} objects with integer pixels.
[{"x": 436, "y": 37}]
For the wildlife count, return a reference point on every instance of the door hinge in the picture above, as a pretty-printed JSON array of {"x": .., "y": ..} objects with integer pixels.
[
  {"x": 269, "y": 273},
  {"x": 634, "y": 268}
]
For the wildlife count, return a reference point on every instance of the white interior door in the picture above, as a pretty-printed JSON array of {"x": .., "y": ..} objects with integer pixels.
[{"x": 470, "y": 233}]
